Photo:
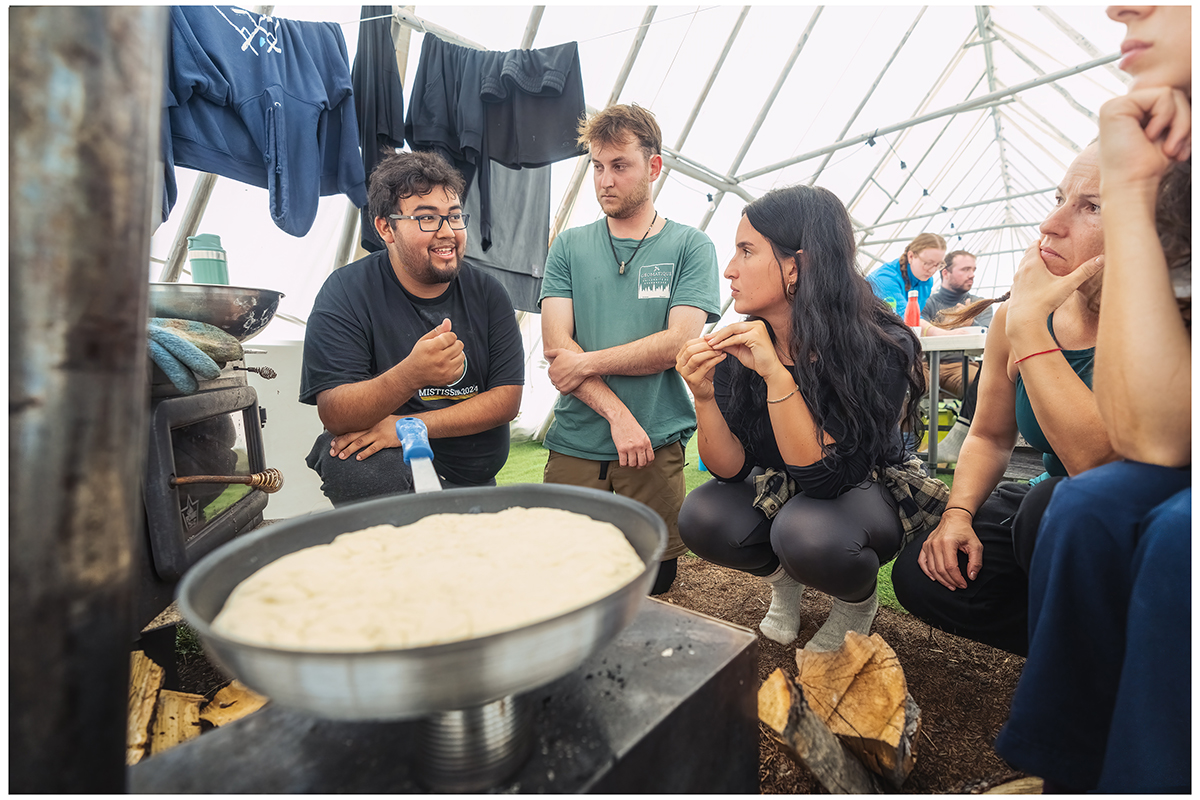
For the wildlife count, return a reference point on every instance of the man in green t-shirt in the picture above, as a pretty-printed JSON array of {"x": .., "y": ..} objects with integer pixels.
[{"x": 619, "y": 298}]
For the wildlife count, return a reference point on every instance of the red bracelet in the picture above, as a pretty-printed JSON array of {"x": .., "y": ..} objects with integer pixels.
[{"x": 1031, "y": 355}]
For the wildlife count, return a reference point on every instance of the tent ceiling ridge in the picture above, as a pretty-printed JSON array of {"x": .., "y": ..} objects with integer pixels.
[{"x": 978, "y": 102}]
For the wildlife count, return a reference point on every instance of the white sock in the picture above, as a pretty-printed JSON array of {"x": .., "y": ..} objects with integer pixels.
[
  {"x": 948, "y": 448},
  {"x": 782, "y": 622},
  {"x": 844, "y": 617}
]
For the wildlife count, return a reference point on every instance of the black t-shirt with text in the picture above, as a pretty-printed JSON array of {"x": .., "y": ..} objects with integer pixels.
[{"x": 363, "y": 323}]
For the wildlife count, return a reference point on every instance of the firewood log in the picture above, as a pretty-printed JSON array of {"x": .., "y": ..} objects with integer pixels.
[
  {"x": 176, "y": 719},
  {"x": 808, "y": 740},
  {"x": 233, "y": 701},
  {"x": 860, "y": 692},
  {"x": 145, "y": 681}
]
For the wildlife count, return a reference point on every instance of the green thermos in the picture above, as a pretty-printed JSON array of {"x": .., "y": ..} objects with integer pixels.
[{"x": 207, "y": 259}]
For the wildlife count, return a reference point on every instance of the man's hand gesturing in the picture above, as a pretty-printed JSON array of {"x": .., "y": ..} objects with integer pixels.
[{"x": 437, "y": 358}]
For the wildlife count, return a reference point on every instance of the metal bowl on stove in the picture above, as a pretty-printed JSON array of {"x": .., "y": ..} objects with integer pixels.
[
  {"x": 411, "y": 683},
  {"x": 240, "y": 311}
]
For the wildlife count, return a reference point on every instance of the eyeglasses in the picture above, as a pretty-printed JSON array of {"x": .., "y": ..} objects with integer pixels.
[
  {"x": 932, "y": 264},
  {"x": 432, "y": 223}
]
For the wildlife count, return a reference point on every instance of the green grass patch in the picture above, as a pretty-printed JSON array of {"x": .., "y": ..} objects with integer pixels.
[
  {"x": 527, "y": 463},
  {"x": 187, "y": 643}
]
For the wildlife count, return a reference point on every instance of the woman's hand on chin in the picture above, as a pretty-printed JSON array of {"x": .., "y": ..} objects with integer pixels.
[
  {"x": 1037, "y": 292},
  {"x": 750, "y": 344}
]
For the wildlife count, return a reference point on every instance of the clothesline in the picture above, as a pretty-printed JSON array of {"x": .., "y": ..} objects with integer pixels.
[{"x": 594, "y": 38}]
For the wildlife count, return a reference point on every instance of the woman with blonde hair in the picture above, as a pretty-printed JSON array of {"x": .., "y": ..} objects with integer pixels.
[{"x": 968, "y": 575}]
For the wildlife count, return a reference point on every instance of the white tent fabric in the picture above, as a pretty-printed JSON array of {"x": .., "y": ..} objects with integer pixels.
[{"x": 936, "y": 118}]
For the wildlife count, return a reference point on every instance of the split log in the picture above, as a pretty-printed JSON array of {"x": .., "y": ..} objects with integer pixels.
[
  {"x": 806, "y": 738},
  {"x": 860, "y": 692},
  {"x": 234, "y": 701},
  {"x": 145, "y": 681},
  {"x": 1019, "y": 786},
  {"x": 176, "y": 719}
]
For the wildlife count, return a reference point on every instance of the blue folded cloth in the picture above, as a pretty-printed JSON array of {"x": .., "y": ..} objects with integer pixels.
[{"x": 176, "y": 347}]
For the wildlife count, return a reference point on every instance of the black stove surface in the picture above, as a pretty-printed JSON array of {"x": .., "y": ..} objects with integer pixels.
[{"x": 668, "y": 707}]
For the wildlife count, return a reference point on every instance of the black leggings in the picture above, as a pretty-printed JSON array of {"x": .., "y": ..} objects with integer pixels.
[
  {"x": 835, "y": 545},
  {"x": 994, "y": 608}
]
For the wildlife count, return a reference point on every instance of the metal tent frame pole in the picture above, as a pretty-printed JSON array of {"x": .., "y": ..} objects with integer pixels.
[
  {"x": 978, "y": 102},
  {"x": 1050, "y": 127},
  {"x": 884, "y": 158},
  {"x": 1082, "y": 41},
  {"x": 947, "y": 71},
  {"x": 862, "y": 104},
  {"x": 531, "y": 27},
  {"x": 762, "y": 114},
  {"x": 712, "y": 77},
  {"x": 952, "y": 209},
  {"x": 1075, "y": 104},
  {"x": 983, "y": 21},
  {"x": 581, "y": 166},
  {"x": 1005, "y": 226}
]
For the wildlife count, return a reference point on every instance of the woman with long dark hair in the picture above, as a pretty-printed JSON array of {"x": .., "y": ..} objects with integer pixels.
[
  {"x": 798, "y": 412},
  {"x": 1104, "y": 699}
]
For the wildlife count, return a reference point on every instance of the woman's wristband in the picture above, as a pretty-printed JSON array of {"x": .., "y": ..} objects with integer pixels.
[
  {"x": 785, "y": 397},
  {"x": 959, "y": 508},
  {"x": 1040, "y": 353}
]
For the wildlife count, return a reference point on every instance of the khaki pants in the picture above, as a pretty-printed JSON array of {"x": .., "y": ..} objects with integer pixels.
[{"x": 659, "y": 485}]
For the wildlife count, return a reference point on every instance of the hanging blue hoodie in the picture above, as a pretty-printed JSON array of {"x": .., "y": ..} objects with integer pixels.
[{"x": 265, "y": 101}]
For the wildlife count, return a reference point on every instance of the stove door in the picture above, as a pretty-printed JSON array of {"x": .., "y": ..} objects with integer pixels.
[{"x": 210, "y": 433}]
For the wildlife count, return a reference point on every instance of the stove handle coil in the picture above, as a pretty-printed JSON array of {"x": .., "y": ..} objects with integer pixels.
[{"x": 269, "y": 480}]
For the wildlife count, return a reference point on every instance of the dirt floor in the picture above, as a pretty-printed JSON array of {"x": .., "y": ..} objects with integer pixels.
[{"x": 962, "y": 688}]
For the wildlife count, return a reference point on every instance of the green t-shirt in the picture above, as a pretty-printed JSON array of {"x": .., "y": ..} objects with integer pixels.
[{"x": 675, "y": 267}]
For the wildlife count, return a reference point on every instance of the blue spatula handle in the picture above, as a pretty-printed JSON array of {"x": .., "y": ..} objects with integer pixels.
[{"x": 414, "y": 437}]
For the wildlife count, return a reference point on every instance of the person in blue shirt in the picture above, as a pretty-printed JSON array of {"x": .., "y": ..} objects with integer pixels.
[
  {"x": 915, "y": 269},
  {"x": 892, "y": 282}
]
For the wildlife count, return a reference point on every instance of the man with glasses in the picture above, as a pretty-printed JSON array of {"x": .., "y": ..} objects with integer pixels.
[{"x": 411, "y": 331}]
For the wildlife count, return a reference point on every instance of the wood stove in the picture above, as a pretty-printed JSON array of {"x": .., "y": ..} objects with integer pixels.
[{"x": 214, "y": 432}]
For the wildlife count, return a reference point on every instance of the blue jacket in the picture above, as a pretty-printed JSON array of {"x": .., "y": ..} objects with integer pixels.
[
  {"x": 888, "y": 285},
  {"x": 265, "y": 101}
]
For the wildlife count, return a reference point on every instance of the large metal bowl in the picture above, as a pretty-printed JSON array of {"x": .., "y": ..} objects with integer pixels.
[
  {"x": 239, "y": 311},
  {"x": 411, "y": 683}
]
